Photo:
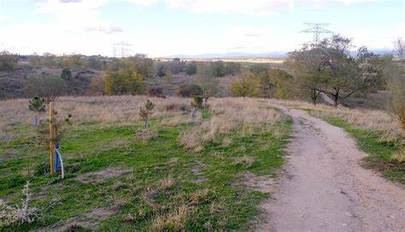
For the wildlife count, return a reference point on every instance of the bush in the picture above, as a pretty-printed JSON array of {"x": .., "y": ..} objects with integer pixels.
[
  {"x": 396, "y": 85},
  {"x": 45, "y": 86},
  {"x": 246, "y": 86},
  {"x": 8, "y": 61},
  {"x": 156, "y": 92},
  {"x": 191, "y": 69},
  {"x": 190, "y": 90},
  {"x": 66, "y": 74},
  {"x": 123, "y": 81},
  {"x": 397, "y": 89}
]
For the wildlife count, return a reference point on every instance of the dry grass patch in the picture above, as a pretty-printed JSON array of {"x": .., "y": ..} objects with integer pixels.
[
  {"x": 367, "y": 119},
  {"x": 229, "y": 114},
  {"x": 146, "y": 134},
  {"x": 174, "y": 221},
  {"x": 244, "y": 161},
  {"x": 106, "y": 109}
]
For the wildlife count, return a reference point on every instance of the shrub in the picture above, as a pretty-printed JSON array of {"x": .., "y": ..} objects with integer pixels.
[
  {"x": 156, "y": 92},
  {"x": 191, "y": 69},
  {"x": 15, "y": 214},
  {"x": 8, "y": 61},
  {"x": 190, "y": 90},
  {"x": 66, "y": 74},
  {"x": 246, "y": 86},
  {"x": 44, "y": 86},
  {"x": 197, "y": 102},
  {"x": 396, "y": 85}
]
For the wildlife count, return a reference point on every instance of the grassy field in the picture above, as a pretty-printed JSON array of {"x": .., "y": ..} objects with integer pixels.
[{"x": 190, "y": 174}]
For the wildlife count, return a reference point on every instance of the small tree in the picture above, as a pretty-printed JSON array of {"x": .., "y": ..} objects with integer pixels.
[
  {"x": 37, "y": 105},
  {"x": 145, "y": 112},
  {"x": 197, "y": 104},
  {"x": 209, "y": 85},
  {"x": 247, "y": 86},
  {"x": 51, "y": 132}
]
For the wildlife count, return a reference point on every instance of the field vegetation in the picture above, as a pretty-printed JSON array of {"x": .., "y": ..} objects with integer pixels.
[
  {"x": 192, "y": 175},
  {"x": 180, "y": 145}
]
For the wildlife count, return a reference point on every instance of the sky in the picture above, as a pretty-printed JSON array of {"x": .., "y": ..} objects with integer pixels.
[{"x": 160, "y": 28}]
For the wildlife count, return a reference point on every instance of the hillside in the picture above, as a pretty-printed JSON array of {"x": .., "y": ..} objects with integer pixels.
[{"x": 213, "y": 171}]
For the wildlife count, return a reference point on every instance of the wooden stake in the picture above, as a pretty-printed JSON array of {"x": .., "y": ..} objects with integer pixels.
[{"x": 51, "y": 138}]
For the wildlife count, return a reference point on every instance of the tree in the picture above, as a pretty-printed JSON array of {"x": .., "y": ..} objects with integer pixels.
[
  {"x": 218, "y": 69},
  {"x": 246, "y": 86},
  {"x": 283, "y": 84},
  {"x": 305, "y": 65},
  {"x": 145, "y": 112},
  {"x": 197, "y": 104},
  {"x": 394, "y": 73},
  {"x": 266, "y": 78},
  {"x": 8, "y": 61},
  {"x": 191, "y": 68},
  {"x": 72, "y": 61},
  {"x": 232, "y": 68},
  {"x": 160, "y": 70},
  {"x": 209, "y": 86},
  {"x": 125, "y": 80},
  {"x": 329, "y": 68},
  {"x": 37, "y": 105}
]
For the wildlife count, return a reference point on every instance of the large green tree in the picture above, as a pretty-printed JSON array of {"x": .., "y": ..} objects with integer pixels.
[{"x": 330, "y": 68}]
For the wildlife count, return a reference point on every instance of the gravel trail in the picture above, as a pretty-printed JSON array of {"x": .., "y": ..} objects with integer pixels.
[{"x": 324, "y": 188}]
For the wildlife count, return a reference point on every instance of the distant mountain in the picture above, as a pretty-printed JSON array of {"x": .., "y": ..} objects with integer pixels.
[{"x": 276, "y": 54}]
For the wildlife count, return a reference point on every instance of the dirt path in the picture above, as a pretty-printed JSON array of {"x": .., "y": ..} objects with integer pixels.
[{"x": 325, "y": 189}]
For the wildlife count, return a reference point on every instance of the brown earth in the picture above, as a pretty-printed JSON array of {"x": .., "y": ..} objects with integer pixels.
[{"x": 324, "y": 188}]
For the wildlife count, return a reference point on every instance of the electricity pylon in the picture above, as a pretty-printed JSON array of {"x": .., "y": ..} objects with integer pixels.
[{"x": 317, "y": 29}]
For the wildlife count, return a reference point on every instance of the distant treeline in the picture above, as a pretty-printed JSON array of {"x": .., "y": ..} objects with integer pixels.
[{"x": 325, "y": 69}]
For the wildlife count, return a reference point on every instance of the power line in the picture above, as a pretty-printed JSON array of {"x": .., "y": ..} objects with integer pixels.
[
  {"x": 317, "y": 29},
  {"x": 121, "y": 49}
]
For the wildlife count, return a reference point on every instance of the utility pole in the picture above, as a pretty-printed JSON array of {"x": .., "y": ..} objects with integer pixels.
[
  {"x": 121, "y": 49},
  {"x": 317, "y": 29}
]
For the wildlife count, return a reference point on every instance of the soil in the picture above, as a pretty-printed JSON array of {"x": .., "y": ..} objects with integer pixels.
[{"x": 324, "y": 188}]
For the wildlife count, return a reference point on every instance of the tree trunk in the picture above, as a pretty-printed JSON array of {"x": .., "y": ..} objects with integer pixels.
[
  {"x": 193, "y": 113},
  {"x": 336, "y": 99},
  {"x": 145, "y": 124},
  {"x": 314, "y": 96}
]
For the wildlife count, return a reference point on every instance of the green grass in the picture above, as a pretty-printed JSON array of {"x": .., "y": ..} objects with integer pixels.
[
  {"x": 91, "y": 147},
  {"x": 380, "y": 152}
]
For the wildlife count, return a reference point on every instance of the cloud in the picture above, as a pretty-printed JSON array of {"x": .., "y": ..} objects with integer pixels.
[
  {"x": 251, "y": 7},
  {"x": 105, "y": 29},
  {"x": 143, "y": 2},
  {"x": 70, "y": 1},
  {"x": 77, "y": 15}
]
